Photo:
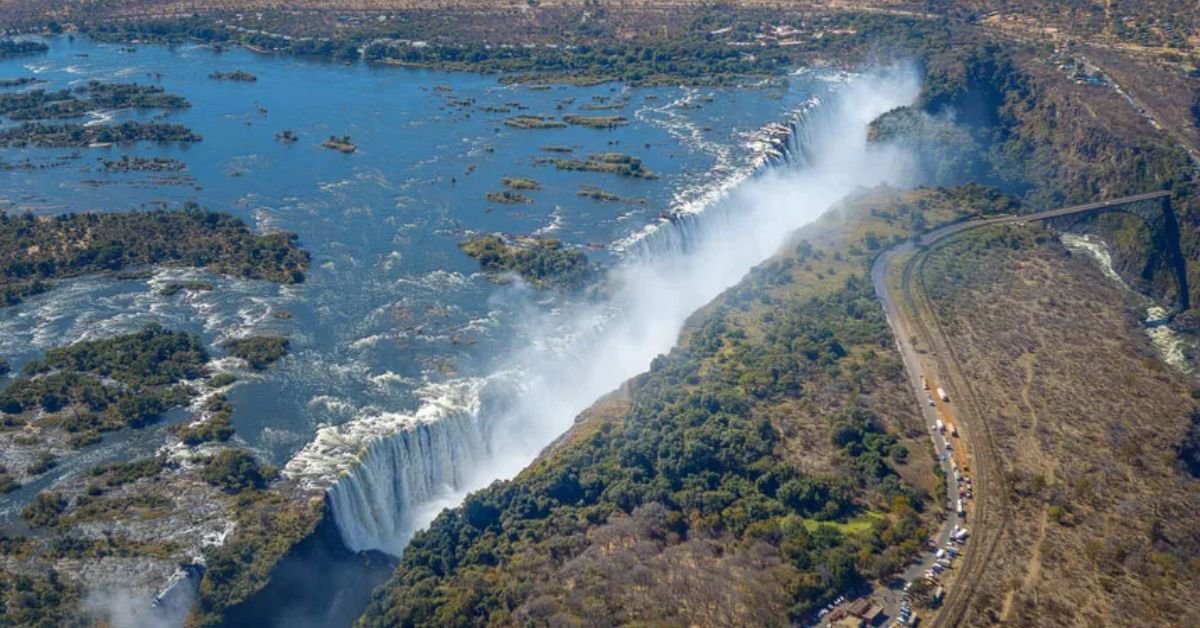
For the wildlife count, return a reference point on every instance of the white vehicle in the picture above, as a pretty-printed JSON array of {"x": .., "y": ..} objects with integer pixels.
[{"x": 942, "y": 394}]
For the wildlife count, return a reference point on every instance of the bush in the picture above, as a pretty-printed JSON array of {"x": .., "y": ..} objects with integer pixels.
[
  {"x": 259, "y": 351},
  {"x": 45, "y": 509},
  {"x": 235, "y": 470}
]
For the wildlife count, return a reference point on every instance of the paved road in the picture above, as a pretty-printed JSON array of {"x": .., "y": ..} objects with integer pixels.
[{"x": 904, "y": 330}]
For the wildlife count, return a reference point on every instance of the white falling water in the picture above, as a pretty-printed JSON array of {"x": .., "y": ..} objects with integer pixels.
[
  {"x": 420, "y": 465},
  {"x": 388, "y": 474}
]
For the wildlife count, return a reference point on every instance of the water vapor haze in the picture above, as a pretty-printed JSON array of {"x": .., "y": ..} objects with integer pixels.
[{"x": 395, "y": 471}]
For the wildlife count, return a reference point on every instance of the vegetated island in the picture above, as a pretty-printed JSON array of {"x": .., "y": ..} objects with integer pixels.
[
  {"x": 142, "y": 164},
  {"x": 35, "y": 251},
  {"x": 508, "y": 197},
  {"x": 541, "y": 262},
  {"x": 14, "y": 48},
  {"x": 341, "y": 144},
  {"x": 20, "y": 81},
  {"x": 534, "y": 122},
  {"x": 258, "y": 351},
  {"x": 98, "y": 386},
  {"x": 175, "y": 287},
  {"x": 152, "y": 517},
  {"x": 614, "y": 163},
  {"x": 156, "y": 512},
  {"x": 596, "y": 193},
  {"x": 236, "y": 75},
  {"x": 39, "y": 104},
  {"x": 520, "y": 183},
  {"x": 596, "y": 122},
  {"x": 80, "y": 136}
]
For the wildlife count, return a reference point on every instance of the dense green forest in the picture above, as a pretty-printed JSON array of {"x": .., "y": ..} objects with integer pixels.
[
  {"x": 613, "y": 163},
  {"x": 40, "y": 135},
  {"x": 34, "y": 251},
  {"x": 717, "y": 46},
  {"x": 39, "y": 104},
  {"x": 764, "y": 450},
  {"x": 696, "y": 61},
  {"x": 103, "y": 385},
  {"x": 13, "y": 48},
  {"x": 236, "y": 75},
  {"x": 543, "y": 263},
  {"x": 258, "y": 351}
]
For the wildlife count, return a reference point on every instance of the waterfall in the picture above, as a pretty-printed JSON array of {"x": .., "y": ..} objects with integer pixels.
[
  {"x": 387, "y": 474},
  {"x": 422, "y": 466},
  {"x": 777, "y": 146}
]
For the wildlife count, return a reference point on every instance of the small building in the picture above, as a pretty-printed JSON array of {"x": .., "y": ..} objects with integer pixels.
[{"x": 866, "y": 611}]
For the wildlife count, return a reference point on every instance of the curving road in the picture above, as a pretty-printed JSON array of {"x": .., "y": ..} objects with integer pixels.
[{"x": 987, "y": 510}]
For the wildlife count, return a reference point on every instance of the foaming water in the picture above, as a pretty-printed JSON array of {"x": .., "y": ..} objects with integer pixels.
[
  {"x": 388, "y": 474},
  {"x": 1172, "y": 346}
]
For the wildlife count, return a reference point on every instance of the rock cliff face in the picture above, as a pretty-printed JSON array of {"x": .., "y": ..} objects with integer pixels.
[
  {"x": 730, "y": 484},
  {"x": 1014, "y": 120}
]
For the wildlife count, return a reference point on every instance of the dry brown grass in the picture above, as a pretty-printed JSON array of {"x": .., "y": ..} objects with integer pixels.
[{"x": 1084, "y": 417}]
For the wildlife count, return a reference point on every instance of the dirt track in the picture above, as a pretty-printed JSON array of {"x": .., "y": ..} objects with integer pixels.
[{"x": 911, "y": 318}]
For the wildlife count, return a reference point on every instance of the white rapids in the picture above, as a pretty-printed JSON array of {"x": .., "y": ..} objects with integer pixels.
[{"x": 387, "y": 474}]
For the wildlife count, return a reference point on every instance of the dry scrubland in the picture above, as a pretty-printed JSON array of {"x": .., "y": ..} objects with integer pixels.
[
  {"x": 617, "y": 524},
  {"x": 1085, "y": 421}
]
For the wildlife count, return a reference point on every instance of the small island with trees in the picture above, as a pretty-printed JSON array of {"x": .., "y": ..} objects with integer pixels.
[
  {"x": 596, "y": 122},
  {"x": 40, "y": 135},
  {"x": 508, "y": 197},
  {"x": 39, "y": 104},
  {"x": 20, "y": 81},
  {"x": 258, "y": 351},
  {"x": 35, "y": 251},
  {"x": 598, "y": 194},
  {"x": 341, "y": 144},
  {"x": 142, "y": 164},
  {"x": 534, "y": 122},
  {"x": 104, "y": 385},
  {"x": 14, "y": 48},
  {"x": 240, "y": 76},
  {"x": 614, "y": 163},
  {"x": 542, "y": 262},
  {"x": 520, "y": 183}
]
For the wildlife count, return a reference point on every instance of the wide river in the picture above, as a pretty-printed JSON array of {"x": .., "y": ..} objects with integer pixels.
[{"x": 391, "y": 304}]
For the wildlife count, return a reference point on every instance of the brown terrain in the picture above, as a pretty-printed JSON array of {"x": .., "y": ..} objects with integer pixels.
[{"x": 1066, "y": 399}]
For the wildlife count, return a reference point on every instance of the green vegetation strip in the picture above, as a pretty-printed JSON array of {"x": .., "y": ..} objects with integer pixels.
[
  {"x": 696, "y": 472},
  {"x": 103, "y": 385},
  {"x": 35, "y": 251},
  {"x": 39, "y": 104},
  {"x": 543, "y": 263}
]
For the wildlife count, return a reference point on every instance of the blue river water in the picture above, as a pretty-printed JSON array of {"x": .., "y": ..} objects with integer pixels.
[{"x": 390, "y": 304}]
